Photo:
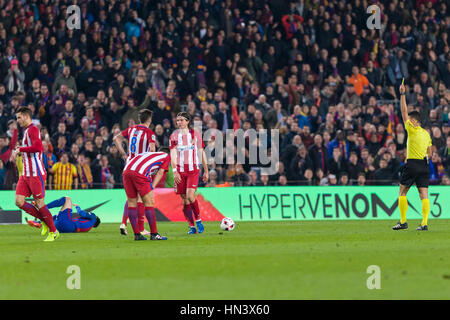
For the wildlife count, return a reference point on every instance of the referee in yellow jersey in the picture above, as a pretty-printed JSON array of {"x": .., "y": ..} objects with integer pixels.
[{"x": 416, "y": 169}]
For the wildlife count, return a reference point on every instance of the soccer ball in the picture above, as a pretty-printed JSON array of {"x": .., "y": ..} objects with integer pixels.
[{"x": 227, "y": 224}]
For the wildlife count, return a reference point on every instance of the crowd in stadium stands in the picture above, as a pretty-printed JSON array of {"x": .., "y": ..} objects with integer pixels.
[{"x": 309, "y": 68}]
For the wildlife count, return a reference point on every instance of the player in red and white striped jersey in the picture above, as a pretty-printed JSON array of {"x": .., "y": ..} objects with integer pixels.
[
  {"x": 32, "y": 180},
  {"x": 139, "y": 176},
  {"x": 140, "y": 139},
  {"x": 187, "y": 151}
]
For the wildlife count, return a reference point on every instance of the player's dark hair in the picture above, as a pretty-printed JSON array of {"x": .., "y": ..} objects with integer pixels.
[
  {"x": 25, "y": 110},
  {"x": 144, "y": 115},
  {"x": 97, "y": 222},
  {"x": 414, "y": 115},
  {"x": 185, "y": 115}
]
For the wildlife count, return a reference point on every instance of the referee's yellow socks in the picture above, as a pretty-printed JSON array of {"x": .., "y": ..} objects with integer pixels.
[
  {"x": 403, "y": 206},
  {"x": 425, "y": 211}
]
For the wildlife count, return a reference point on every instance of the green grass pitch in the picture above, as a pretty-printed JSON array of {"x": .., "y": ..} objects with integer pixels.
[{"x": 258, "y": 260}]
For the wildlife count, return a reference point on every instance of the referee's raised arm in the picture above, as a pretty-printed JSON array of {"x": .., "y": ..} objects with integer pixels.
[{"x": 403, "y": 106}]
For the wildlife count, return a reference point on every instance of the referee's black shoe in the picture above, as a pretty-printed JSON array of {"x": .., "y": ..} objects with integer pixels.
[
  {"x": 400, "y": 226},
  {"x": 422, "y": 228}
]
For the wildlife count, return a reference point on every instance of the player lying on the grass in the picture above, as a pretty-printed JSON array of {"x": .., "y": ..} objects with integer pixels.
[
  {"x": 31, "y": 182},
  {"x": 140, "y": 139},
  {"x": 416, "y": 170},
  {"x": 65, "y": 222},
  {"x": 186, "y": 151},
  {"x": 139, "y": 176}
]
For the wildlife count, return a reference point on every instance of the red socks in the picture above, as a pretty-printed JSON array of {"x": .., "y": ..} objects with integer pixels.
[
  {"x": 42, "y": 214},
  {"x": 191, "y": 212},
  {"x": 187, "y": 210},
  {"x": 196, "y": 210},
  {"x": 141, "y": 216},
  {"x": 125, "y": 214},
  {"x": 31, "y": 210},
  {"x": 47, "y": 217},
  {"x": 133, "y": 216},
  {"x": 150, "y": 214}
]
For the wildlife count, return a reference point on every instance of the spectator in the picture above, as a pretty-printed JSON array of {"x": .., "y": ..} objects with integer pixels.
[
  {"x": 339, "y": 143},
  {"x": 358, "y": 81},
  {"x": 332, "y": 180},
  {"x": 445, "y": 154},
  {"x": 74, "y": 152},
  {"x": 61, "y": 146},
  {"x": 253, "y": 179},
  {"x": 223, "y": 117},
  {"x": 187, "y": 79},
  {"x": 7, "y": 143},
  {"x": 300, "y": 117},
  {"x": 102, "y": 173},
  {"x": 337, "y": 163},
  {"x": 319, "y": 154},
  {"x": 282, "y": 181},
  {"x": 240, "y": 178},
  {"x": 264, "y": 180},
  {"x": 343, "y": 179},
  {"x": 212, "y": 179},
  {"x": 44, "y": 103},
  {"x": 383, "y": 174},
  {"x": 350, "y": 96},
  {"x": 275, "y": 115},
  {"x": 161, "y": 113},
  {"x": 89, "y": 150},
  {"x": 66, "y": 79},
  {"x": 299, "y": 164},
  {"x": 116, "y": 162},
  {"x": 307, "y": 178},
  {"x": 438, "y": 140},
  {"x": 306, "y": 136},
  {"x": 69, "y": 118},
  {"x": 61, "y": 132},
  {"x": 64, "y": 174},
  {"x": 445, "y": 180},
  {"x": 280, "y": 172},
  {"x": 437, "y": 170},
  {"x": 361, "y": 179},
  {"x": 133, "y": 110},
  {"x": 57, "y": 110},
  {"x": 14, "y": 80},
  {"x": 49, "y": 160},
  {"x": 84, "y": 172},
  {"x": 99, "y": 145},
  {"x": 291, "y": 23},
  {"x": 354, "y": 167}
]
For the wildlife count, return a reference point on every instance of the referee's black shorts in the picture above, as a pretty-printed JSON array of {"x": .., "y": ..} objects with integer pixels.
[{"x": 415, "y": 171}]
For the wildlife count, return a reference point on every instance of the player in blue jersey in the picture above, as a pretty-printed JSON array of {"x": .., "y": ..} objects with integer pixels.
[{"x": 65, "y": 222}]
